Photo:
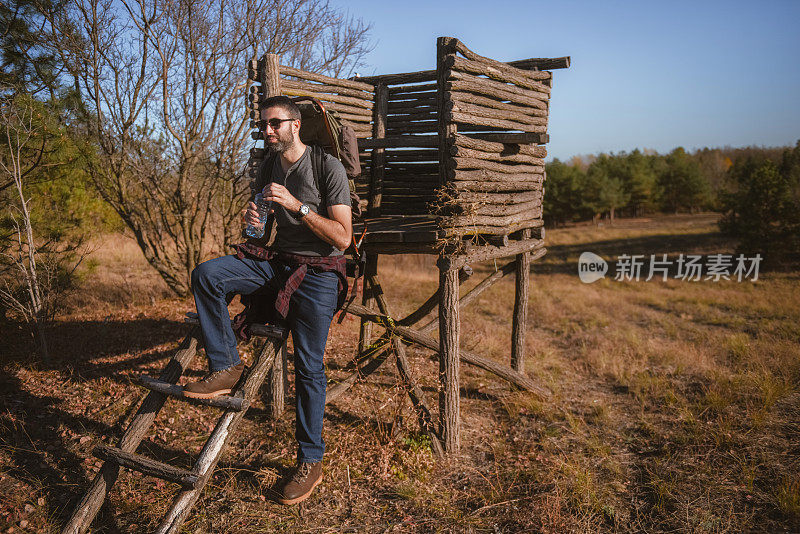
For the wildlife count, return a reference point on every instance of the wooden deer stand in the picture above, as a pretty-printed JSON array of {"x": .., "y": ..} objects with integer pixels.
[{"x": 453, "y": 166}]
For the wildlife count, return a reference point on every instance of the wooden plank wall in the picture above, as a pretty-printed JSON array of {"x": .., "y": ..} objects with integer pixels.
[{"x": 494, "y": 187}]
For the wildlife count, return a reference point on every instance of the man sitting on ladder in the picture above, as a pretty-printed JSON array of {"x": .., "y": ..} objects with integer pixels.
[{"x": 306, "y": 267}]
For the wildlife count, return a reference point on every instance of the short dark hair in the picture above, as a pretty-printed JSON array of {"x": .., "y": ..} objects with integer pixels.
[{"x": 283, "y": 102}]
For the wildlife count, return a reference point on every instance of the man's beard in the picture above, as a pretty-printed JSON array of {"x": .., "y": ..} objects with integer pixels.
[{"x": 281, "y": 145}]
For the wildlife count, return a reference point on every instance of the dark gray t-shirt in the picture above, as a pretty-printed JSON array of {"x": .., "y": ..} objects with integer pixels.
[{"x": 291, "y": 234}]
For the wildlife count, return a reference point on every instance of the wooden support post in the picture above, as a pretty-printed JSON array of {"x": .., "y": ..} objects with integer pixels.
[
  {"x": 520, "y": 321},
  {"x": 271, "y": 80},
  {"x": 449, "y": 361},
  {"x": 151, "y": 405},
  {"x": 378, "y": 161},
  {"x": 367, "y": 298},
  {"x": 277, "y": 383}
]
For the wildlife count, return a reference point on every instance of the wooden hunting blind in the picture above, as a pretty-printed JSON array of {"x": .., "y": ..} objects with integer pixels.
[{"x": 452, "y": 165}]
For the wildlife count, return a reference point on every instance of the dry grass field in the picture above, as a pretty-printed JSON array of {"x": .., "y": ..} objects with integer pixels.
[{"x": 675, "y": 407}]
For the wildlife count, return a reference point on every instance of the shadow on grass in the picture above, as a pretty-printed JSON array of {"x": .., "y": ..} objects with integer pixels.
[
  {"x": 564, "y": 258},
  {"x": 76, "y": 346},
  {"x": 39, "y": 457}
]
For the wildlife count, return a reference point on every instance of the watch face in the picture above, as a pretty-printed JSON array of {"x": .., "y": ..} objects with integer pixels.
[{"x": 304, "y": 210}]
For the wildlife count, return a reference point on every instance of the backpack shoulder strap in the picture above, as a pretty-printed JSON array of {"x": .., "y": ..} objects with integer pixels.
[
  {"x": 263, "y": 178},
  {"x": 317, "y": 164},
  {"x": 264, "y": 175}
]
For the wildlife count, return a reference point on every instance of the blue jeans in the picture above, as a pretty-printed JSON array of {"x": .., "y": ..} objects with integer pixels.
[{"x": 311, "y": 310}]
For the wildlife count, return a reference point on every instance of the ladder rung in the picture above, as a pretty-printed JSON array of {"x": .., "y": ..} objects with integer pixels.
[
  {"x": 226, "y": 402},
  {"x": 258, "y": 330},
  {"x": 147, "y": 466}
]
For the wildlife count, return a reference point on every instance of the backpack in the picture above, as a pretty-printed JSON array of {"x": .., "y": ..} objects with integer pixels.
[{"x": 324, "y": 128}]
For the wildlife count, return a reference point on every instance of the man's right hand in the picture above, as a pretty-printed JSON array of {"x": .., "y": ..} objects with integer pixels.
[{"x": 250, "y": 214}]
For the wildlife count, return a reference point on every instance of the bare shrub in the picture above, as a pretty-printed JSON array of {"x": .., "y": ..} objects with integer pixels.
[{"x": 163, "y": 83}]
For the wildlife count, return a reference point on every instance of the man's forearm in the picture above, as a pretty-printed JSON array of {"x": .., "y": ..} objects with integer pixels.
[{"x": 331, "y": 231}]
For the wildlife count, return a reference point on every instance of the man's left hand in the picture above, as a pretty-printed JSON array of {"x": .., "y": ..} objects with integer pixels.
[{"x": 280, "y": 195}]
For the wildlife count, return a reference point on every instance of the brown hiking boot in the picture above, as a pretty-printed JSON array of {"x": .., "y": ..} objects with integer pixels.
[
  {"x": 305, "y": 478},
  {"x": 215, "y": 383}
]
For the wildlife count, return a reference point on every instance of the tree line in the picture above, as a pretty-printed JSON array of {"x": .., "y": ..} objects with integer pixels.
[{"x": 757, "y": 191}]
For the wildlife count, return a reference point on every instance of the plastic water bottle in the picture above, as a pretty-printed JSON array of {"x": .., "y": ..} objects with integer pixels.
[{"x": 257, "y": 231}]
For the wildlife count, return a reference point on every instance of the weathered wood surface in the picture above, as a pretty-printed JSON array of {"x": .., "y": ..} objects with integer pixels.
[
  {"x": 378, "y": 157},
  {"x": 397, "y": 89},
  {"x": 271, "y": 80},
  {"x": 527, "y": 82},
  {"x": 473, "y": 230},
  {"x": 485, "y": 145},
  {"x": 495, "y": 166},
  {"x": 406, "y": 100},
  {"x": 449, "y": 360},
  {"x": 420, "y": 154},
  {"x": 446, "y": 129},
  {"x": 486, "y": 101},
  {"x": 512, "y": 138},
  {"x": 428, "y": 127},
  {"x": 358, "y": 98},
  {"x": 542, "y": 63},
  {"x": 463, "y": 82},
  {"x": 495, "y": 199},
  {"x": 353, "y": 120},
  {"x": 314, "y": 77},
  {"x": 220, "y": 436},
  {"x": 367, "y": 299},
  {"x": 517, "y": 117},
  {"x": 400, "y": 142},
  {"x": 358, "y": 114},
  {"x": 526, "y": 181},
  {"x": 468, "y": 153},
  {"x": 493, "y": 68},
  {"x": 470, "y": 118},
  {"x": 146, "y": 466},
  {"x": 520, "y": 320},
  {"x": 422, "y": 124},
  {"x": 412, "y": 95},
  {"x": 276, "y": 384},
  {"x": 416, "y": 115},
  {"x": 472, "y": 294},
  {"x": 341, "y": 104},
  {"x": 226, "y": 402},
  {"x": 503, "y": 371},
  {"x": 399, "y": 78},
  {"x": 496, "y": 182},
  {"x": 533, "y": 206},
  {"x": 492, "y": 220},
  {"x": 428, "y": 105},
  {"x": 93, "y": 499}
]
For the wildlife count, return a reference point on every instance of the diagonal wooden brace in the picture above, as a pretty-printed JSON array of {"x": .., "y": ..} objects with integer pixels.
[
  {"x": 414, "y": 392},
  {"x": 414, "y": 336}
]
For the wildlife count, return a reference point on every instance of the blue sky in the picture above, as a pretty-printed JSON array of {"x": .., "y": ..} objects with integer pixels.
[{"x": 644, "y": 74}]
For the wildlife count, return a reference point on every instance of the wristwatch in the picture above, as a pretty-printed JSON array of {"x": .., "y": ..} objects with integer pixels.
[{"x": 302, "y": 212}]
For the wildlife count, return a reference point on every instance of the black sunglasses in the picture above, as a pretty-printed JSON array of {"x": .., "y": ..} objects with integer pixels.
[{"x": 276, "y": 123}]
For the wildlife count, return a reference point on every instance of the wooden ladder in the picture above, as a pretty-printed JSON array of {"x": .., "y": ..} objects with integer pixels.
[{"x": 192, "y": 481}]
